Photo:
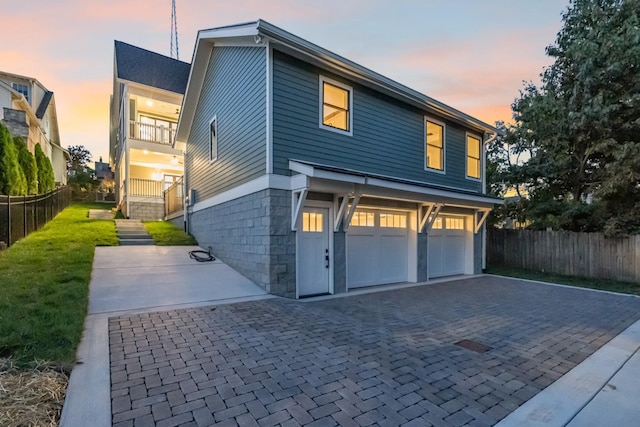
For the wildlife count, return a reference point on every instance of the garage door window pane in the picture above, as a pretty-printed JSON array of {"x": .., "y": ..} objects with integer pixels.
[
  {"x": 393, "y": 221},
  {"x": 362, "y": 219},
  {"x": 454, "y": 224},
  {"x": 437, "y": 224},
  {"x": 312, "y": 222}
]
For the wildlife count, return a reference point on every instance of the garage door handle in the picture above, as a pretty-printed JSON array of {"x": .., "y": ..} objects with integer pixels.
[{"x": 326, "y": 258}]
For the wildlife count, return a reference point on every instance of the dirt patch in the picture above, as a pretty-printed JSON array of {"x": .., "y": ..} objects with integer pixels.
[{"x": 32, "y": 397}]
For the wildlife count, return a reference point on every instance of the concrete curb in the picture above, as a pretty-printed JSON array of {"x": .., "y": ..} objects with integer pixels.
[{"x": 562, "y": 401}]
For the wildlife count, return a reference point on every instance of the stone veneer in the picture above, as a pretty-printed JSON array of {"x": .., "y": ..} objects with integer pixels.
[
  {"x": 252, "y": 234},
  {"x": 146, "y": 210}
]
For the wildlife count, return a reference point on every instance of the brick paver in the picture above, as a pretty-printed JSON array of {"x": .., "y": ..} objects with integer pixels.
[{"x": 387, "y": 358}]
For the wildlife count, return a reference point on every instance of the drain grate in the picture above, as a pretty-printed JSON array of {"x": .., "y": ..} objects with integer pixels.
[{"x": 474, "y": 346}]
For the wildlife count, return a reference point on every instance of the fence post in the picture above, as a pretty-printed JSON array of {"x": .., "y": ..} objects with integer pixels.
[
  {"x": 8, "y": 221},
  {"x": 24, "y": 217}
]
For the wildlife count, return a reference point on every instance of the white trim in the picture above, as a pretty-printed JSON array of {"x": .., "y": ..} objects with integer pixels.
[
  {"x": 322, "y": 79},
  {"x": 214, "y": 121},
  {"x": 352, "y": 208},
  {"x": 298, "y": 198},
  {"x": 442, "y": 171},
  {"x": 468, "y": 135},
  {"x": 430, "y": 222},
  {"x": 248, "y": 29},
  {"x": 340, "y": 210},
  {"x": 269, "y": 89},
  {"x": 278, "y": 182},
  {"x": 479, "y": 222},
  {"x": 424, "y": 218}
]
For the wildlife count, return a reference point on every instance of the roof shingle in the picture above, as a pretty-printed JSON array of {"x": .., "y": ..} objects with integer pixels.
[{"x": 151, "y": 69}]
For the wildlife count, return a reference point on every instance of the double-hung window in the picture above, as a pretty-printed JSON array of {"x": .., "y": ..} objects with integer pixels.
[
  {"x": 23, "y": 89},
  {"x": 434, "y": 150},
  {"x": 336, "y": 101},
  {"x": 213, "y": 139},
  {"x": 473, "y": 157}
]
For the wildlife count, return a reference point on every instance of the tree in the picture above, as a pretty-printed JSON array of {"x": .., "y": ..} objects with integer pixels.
[
  {"x": 12, "y": 179},
  {"x": 582, "y": 125},
  {"x": 46, "y": 180},
  {"x": 28, "y": 165},
  {"x": 80, "y": 156}
]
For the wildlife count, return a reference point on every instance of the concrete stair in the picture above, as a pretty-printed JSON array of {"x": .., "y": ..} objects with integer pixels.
[{"x": 132, "y": 232}]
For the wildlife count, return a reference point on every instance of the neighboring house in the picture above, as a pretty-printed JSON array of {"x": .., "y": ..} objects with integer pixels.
[
  {"x": 28, "y": 109},
  {"x": 147, "y": 93},
  {"x": 311, "y": 174}
]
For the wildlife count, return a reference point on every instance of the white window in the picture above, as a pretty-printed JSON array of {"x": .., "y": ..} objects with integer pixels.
[
  {"x": 454, "y": 223},
  {"x": 437, "y": 224},
  {"x": 213, "y": 139},
  {"x": 362, "y": 219},
  {"x": 336, "y": 102},
  {"x": 473, "y": 157},
  {"x": 312, "y": 222},
  {"x": 434, "y": 146},
  {"x": 393, "y": 221},
  {"x": 23, "y": 89}
]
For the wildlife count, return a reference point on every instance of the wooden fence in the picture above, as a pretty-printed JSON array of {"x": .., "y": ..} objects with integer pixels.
[
  {"x": 21, "y": 215},
  {"x": 563, "y": 252}
]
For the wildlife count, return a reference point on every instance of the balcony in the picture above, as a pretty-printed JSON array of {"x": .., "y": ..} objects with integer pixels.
[
  {"x": 146, "y": 188},
  {"x": 159, "y": 134}
]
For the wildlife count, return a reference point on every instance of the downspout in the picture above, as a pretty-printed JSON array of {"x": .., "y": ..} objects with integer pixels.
[
  {"x": 484, "y": 191},
  {"x": 186, "y": 196}
]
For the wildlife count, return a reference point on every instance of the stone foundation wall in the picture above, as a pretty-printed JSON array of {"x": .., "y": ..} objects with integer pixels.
[
  {"x": 146, "y": 210},
  {"x": 252, "y": 234}
]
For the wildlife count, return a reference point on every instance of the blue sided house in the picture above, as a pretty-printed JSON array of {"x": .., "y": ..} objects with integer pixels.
[{"x": 312, "y": 175}]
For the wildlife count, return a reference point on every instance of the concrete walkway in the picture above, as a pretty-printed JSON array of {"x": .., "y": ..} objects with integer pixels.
[
  {"x": 131, "y": 232},
  {"x": 139, "y": 279}
]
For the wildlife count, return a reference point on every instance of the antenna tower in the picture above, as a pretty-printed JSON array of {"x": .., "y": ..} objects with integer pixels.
[{"x": 175, "y": 51}]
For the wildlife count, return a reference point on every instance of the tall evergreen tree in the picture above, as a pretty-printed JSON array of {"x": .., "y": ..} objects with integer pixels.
[
  {"x": 12, "y": 179},
  {"x": 28, "y": 164},
  {"x": 46, "y": 180}
]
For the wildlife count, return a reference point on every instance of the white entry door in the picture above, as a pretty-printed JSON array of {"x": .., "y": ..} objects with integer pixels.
[{"x": 313, "y": 252}]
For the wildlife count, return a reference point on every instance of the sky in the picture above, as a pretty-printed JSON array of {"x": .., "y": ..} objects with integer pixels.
[{"x": 473, "y": 55}]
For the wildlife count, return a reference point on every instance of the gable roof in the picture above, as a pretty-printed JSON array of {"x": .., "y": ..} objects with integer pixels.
[
  {"x": 150, "y": 69},
  {"x": 262, "y": 32}
]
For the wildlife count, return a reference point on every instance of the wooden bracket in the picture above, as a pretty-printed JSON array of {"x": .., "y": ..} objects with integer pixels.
[
  {"x": 297, "y": 201},
  {"x": 484, "y": 213},
  {"x": 352, "y": 209},
  {"x": 436, "y": 211}
]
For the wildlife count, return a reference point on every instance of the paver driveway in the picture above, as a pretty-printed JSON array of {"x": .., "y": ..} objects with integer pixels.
[{"x": 386, "y": 358}]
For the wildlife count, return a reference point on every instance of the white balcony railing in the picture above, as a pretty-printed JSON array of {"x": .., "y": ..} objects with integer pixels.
[
  {"x": 152, "y": 133},
  {"x": 145, "y": 187}
]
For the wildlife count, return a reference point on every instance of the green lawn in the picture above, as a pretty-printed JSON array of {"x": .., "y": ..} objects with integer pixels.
[
  {"x": 44, "y": 285},
  {"x": 166, "y": 234},
  {"x": 582, "y": 282}
]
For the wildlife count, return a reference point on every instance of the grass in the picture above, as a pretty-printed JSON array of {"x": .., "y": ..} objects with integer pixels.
[
  {"x": 581, "y": 282},
  {"x": 166, "y": 234},
  {"x": 44, "y": 287}
]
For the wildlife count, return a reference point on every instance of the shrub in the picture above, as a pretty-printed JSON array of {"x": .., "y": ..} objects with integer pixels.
[
  {"x": 28, "y": 164},
  {"x": 12, "y": 179},
  {"x": 46, "y": 180}
]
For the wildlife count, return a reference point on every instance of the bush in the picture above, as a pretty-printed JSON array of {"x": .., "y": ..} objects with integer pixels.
[
  {"x": 28, "y": 164},
  {"x": 12, "y": 179},
  {"x": 46, "y": 180}
]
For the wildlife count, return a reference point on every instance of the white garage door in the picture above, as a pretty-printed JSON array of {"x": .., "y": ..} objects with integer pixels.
[
  {"x": 377, "y": 244},
  {"x": 447, "y": 246}
]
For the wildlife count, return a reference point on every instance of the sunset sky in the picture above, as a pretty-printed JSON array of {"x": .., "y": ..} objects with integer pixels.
[{"x": 473, "y": 55}]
